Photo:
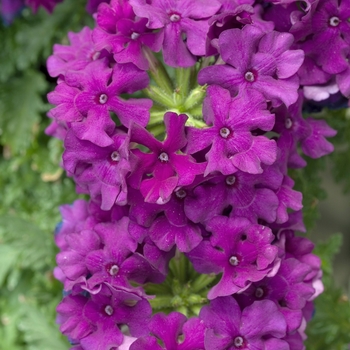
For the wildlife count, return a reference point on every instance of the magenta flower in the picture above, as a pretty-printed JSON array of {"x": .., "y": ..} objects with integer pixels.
[
  {"x": 240, "y": 250},
  {"x": 101, "y": 171},
  {"x": 179, "y": 18},
  {"x": 168, "y": 168},
  {"x": 232, "y": 144},
  {"x": 257, "y": 61},
  {"x": 120, "y": 32}
]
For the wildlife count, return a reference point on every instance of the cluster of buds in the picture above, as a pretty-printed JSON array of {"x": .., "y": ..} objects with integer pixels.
[{"x": 180, "y": 120}]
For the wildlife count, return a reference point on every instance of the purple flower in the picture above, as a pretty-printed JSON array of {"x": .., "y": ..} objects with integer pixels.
[
  {"x": 101, "y": 171},
  {"x": 175, "y": 331},
  {"x": 166, "y": 169},
  {"x": 92, "y": 5},
  {"x": 329, "y": 44},
  {"x": 232, "y": 144},
  {"x": 94, "y": 321},
  {"x": 120, "y": 32},
  {"x": 259, "y": 326},
  {"x": 240, "y": 250},
  {"x": 258, "y": 61},
  {"x": 178, "y": 18},
  {"x": 117, "y": 262},
  {"x": 240, "y": 194},
  {"x": 287, "y": 289}
]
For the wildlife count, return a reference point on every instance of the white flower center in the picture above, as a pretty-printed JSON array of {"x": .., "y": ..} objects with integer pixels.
[
  {"x": 134, "y": 35},
  {"x": 230, "y": 180},
  {"x": 234, "y": 260},
  {"x": 238, "y": 342},
  {"x": 109, "y": 310},
  {"x": 175, "y": 17},
  {"x": 225, "y": 132},
  {"x": 115, "y": 156},
  {"x": 249, "y": 76},
  {"x": 288, "y": 123},
  {"x": 163, "y": 157},
  {"x": 103, "y": 99},
  {"x": 334, "y": 21},
  {"x": 113, "y": 270}
]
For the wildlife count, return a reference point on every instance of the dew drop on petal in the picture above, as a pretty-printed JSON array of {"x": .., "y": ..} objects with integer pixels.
[
  {"x": 234, "y": 260},
  {"x": 109, "y": 310},
  {"x": 163, "y": 157},
  {"x": 115, "y": 156},
  {"x": 225, "y": 132},
  {"x": 230, "y": 180},
  {"x": 103, "y": 99}
]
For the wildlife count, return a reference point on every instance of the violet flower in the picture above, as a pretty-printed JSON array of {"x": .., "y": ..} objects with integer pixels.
[
  {"x": 259, "y": 326},
  {"x": 167, "y": 168},
  {"x": 176, "y": 19},
  {"x": 232, "y": 144},
  {"x": 258, "y": 61}
]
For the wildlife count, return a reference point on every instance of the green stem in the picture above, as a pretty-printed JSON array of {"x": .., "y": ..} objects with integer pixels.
[
  {"x": 158, "y": 72},
  {"x": 160, "y": 96}
]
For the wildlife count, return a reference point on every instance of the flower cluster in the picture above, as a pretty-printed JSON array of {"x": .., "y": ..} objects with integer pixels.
[{"x": 182, "y": 174}]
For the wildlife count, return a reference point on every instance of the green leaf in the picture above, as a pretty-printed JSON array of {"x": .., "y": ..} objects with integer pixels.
[
  {"x": 8, "y": 258},
  {"x": 20, "y": 108},
  {"x": 40, "y": 332}
]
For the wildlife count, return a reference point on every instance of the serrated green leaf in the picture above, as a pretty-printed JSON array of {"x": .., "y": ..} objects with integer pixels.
[
  {"x": 8, "y": 258},
  {"x": 39, "y": 331},
  {"x": 20, "y": 108}
]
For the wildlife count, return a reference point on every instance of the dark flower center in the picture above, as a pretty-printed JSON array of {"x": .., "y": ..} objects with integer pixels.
[
  {"x": 230, "y": 180},
  {"x": 259, "y": 292},
  {"x": 103, "y": 99},
  {"x": 163, "y": 157},
  {"x": 181, "y": 193},
  {"x": 115, "y": 156},
  {"x": 334, "y": 21}
]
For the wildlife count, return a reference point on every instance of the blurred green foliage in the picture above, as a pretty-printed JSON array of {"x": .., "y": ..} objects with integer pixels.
[{"x": 33, "y": 187}]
